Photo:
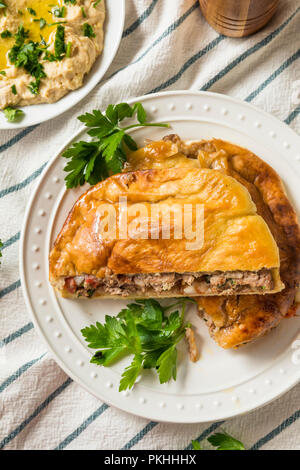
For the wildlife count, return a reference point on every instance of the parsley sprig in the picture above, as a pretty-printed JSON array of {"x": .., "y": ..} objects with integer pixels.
[
  {"x": 145, "y": 330},
  {"x": 94, "y": 161},
  {"x": 222, "y": 441}
]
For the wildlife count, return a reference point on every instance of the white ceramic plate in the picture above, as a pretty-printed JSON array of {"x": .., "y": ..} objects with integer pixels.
[
  {"x": 113, "y": 29},
  {"x": 223, "y": 383}
]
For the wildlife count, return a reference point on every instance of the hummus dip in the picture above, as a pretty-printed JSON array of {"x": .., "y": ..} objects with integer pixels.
[{"x": 47, "y": 47}]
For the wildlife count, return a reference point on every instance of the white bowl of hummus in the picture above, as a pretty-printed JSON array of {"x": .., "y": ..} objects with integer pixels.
[{"x": 52, "y": 54}]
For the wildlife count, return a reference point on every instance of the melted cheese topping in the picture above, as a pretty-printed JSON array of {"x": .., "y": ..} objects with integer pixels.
[{"x": 18, "y": 9}]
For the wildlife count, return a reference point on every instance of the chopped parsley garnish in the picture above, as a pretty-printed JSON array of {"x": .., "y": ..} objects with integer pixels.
[
  {"x": 94, "y": 161},
  {"x": 42, "y": 22},
  {"x": 59, "y": 43},
  {"x": 6, "y": 34},
  {"x": 31, "y": 11},
  {"x": 27, "y": 55},
  {"x": 13, "y": 114},
  {"x": 59, "y": 12},
  {"x": 67, "y": 2},
  {"x": 60, "y": 47},
  {"x": 83, "y": 12},
  {"x": 88, "y": 30},
  {"x": 69, "y": 49},
  {"x": 3, "y": 5},
  {"x": 14, "y": 89},
  {"x": 2, "y": 72},
  {"x": 34, "y": 87},
  {"x": 96, "y": 3},
  {"x": 145, "y": 330}
]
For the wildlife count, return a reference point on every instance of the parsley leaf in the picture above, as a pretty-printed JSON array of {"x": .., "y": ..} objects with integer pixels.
[
  {"x": 1, "y": 245},
  {"x": 94, "y": 161},
  {"x": 196, "y": 445},
  {"x": 31, "y": 11},
  {"x": 60, "y": 48},
  {"x": 59, "y": 12},
  {"x": 6, "y": 34},
  {"x": 224, "y": 441},
  {"x": 59, "y": 43},
  {"x": 97, "y": 3},
  {"x": 3, "y": 5},
  {"x": 12, "y": 114},
  {"x": 69, "y": 49},
  {"x": 166, "y": 364},
  {"x": 88, "y": 30},
  {"x": 41, "y": 21},
  {"x": 144, "y": 330},
  {"x": 131, "y": 373}
]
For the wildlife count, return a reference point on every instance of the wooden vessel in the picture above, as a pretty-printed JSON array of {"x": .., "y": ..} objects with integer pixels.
[{"x": 238, "y": 18}]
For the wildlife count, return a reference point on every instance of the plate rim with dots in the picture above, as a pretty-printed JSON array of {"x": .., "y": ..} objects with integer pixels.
[{"x": 205, "y": 110}]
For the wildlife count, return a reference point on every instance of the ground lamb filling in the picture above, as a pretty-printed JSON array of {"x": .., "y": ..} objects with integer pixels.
[{"x": 125, "y": 285}]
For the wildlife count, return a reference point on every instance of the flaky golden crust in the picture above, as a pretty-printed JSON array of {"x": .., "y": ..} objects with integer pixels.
[
  {"x": 235, "y": 237},
  {"x": 236, "y": 320},
  {"x": 243, "y": 319}
]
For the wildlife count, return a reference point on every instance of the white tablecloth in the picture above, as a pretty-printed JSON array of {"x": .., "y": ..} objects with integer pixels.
[{"x": 166, "y": 45}]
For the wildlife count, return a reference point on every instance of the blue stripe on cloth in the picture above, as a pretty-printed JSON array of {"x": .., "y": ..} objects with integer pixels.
[
  {"x": 249, "y": 52},
  {"x": 82, "y": 427},
  {"x": 16, "y": 334},
  {"x": 16, "y": 138},
  {"x": 24, "y": 183},
  {"x": 19, "y": 372},
  {"x": 206, "y": 433},
  {"x": 139, "y": 435},
  {"x": 188, "y": 64},
  {"x": 274, "y": 75},
  {"x": 11, "y": 240},
  {"x": 140, "y": 20},
  {"x": 166, "y": 33},
  {"x": 292, "y": 115},
  {"x": 40, "y": 408},
  {"x": 11, "y": 288},
  {"x": 276, "y": 431}
]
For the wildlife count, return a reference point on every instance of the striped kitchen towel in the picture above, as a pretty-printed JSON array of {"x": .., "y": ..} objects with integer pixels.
[{"x": 166, "y": 45}]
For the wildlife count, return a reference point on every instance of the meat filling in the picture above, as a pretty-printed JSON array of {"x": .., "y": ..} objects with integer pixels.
[{"x": 124, "y": 285}]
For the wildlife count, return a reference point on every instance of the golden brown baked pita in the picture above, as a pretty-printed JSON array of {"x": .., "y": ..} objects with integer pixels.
[
  {"x": 238, "y": 254},
  {"x": 236, "y": 320}
]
